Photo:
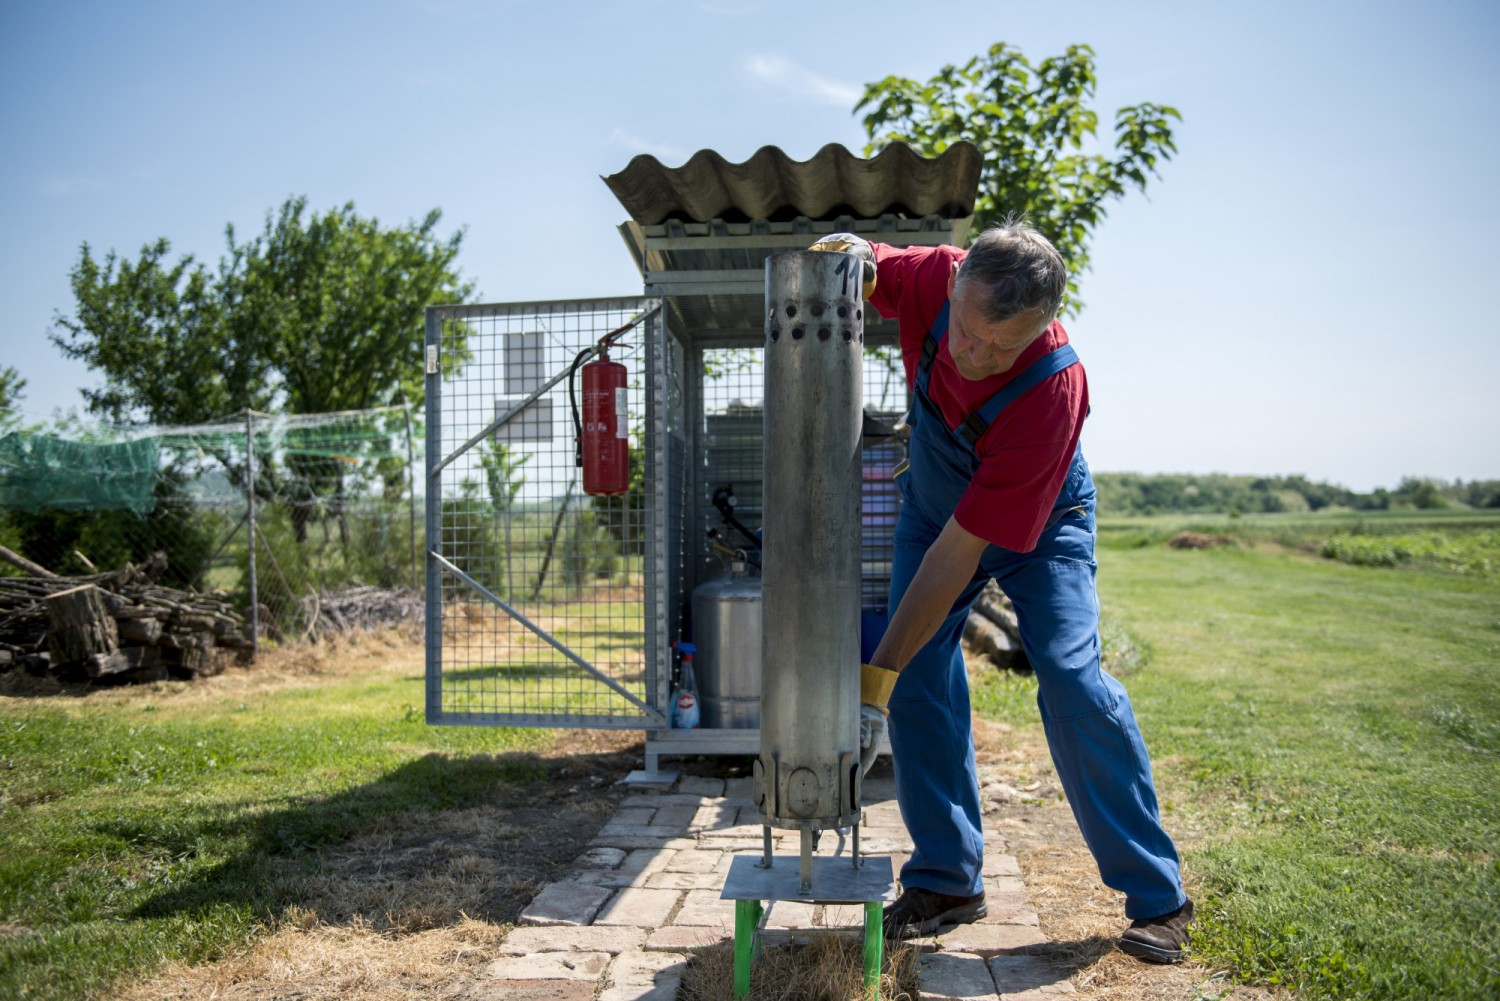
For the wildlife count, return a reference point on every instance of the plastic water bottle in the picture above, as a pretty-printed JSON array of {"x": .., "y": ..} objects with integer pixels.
[{"x": 685, "y": 709}]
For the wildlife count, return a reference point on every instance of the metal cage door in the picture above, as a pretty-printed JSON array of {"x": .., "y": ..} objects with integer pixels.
[{"x": 538, "y": 595}]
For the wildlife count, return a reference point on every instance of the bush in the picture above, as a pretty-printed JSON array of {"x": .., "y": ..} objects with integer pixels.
[
  {"x": 110, "y": 539},
  {"x": 1475, "y": 552}
]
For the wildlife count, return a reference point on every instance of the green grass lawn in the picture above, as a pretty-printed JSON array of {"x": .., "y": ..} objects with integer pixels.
[
  {"x": 136, "y": 831},
  {"x": 1333, "y": 730}
]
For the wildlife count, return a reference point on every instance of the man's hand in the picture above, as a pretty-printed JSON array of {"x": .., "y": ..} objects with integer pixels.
[
  {"x": 875, "y": 684},
  {"x": 848, "y": 243},
  {"x": 871, "y": 729}
]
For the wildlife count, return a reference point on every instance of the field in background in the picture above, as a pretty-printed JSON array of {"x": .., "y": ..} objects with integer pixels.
[
  {"x": 1327, "y": 742},
  {"x": 1305, "y": 531}
]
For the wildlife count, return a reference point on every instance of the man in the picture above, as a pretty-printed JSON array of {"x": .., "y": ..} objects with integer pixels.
[{"x": 996, "y": 487}]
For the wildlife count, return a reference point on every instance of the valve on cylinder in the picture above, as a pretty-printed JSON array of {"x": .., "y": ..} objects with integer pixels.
[{"x": 807, "y": 776}]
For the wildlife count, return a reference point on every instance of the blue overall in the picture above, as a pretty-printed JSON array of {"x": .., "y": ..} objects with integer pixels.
[{"x": 1091, "y": 730}]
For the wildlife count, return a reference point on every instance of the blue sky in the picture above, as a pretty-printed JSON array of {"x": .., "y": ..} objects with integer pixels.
[{"x": 1309, "y": 288}]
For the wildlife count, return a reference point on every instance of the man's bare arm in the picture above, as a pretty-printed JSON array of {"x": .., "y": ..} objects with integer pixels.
[{"x": 946, "y": 570}]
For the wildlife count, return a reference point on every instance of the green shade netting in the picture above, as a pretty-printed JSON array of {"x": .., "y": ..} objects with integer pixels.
[{"x": 38, "y": 470}]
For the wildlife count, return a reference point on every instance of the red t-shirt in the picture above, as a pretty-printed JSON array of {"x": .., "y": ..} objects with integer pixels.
[{"x": 1025, "y": 454}]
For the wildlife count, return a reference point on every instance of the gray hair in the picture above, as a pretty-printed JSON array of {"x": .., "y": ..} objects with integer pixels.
[{"x": 1016, "y": 270}]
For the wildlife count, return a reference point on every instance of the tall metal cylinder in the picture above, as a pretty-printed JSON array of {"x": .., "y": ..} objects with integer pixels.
[{"x": 807, "y": 775}]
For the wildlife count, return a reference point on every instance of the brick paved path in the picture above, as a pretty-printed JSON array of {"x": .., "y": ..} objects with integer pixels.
[{"x": 647, "y": 891}]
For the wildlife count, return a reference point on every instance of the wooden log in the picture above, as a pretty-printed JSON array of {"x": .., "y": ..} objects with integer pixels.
[
  {"x": 135, "y": 612},
  {"x": 23, "y": 564},
  {"x": 142, "y": 663},
  {"x": 101, "y": 665},
  {"x": 989, "y": 639},
  {"x": 81, "y": 625},
  {"x": 184, "y": 639},
  {"x": 1001, "y": 616},
  {"x": 145, "y": 631},
  {"x": 189, "y": 654}
]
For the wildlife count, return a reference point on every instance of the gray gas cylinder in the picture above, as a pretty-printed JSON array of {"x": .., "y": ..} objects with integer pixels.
[{"x": 727, "y": 631}]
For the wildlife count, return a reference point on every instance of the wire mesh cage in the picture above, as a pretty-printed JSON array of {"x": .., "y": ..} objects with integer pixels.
[
  {"x": 547, "y": 606},
  {"x": 536, "y": 590}
]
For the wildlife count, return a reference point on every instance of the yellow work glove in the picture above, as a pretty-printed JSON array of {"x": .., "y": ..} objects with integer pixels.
[
  {"x": 875, "y": 684},
  {"x": 848, "y": 243}
]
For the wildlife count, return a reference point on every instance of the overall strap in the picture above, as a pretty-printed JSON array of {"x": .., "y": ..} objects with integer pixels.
[
  {"x": 930, "y": 347},
  {"x": 1045, "y": 367}
]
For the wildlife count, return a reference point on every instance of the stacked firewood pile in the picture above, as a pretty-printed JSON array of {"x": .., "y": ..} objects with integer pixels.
[
  {"x": 991, "y": 631},
  {"x": 360, "y": 608},
  {"x": 117, "y": 626}
]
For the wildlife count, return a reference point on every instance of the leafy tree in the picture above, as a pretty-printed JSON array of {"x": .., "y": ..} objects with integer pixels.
[
  {"x": 1132, "y": 493},
  {"x": 337, "y": 302},
  {"x": 12, "y": 388},
  {"x": 1031, "y": 123},
  {"x": 158, "y": 332},
  {"x": 1419, "y": 493},
  {"x": 503, "y": 478},
  {"x": 317, "y": 313}
]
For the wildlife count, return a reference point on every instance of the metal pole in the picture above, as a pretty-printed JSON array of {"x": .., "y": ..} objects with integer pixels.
[
  {"x": 746, "y": 933},
  {"x": 411, "y": 487},
  {"x": 433, "y": 518},
  {"x": 251, "y": 534},
  {"x": 874, "y": 948}
]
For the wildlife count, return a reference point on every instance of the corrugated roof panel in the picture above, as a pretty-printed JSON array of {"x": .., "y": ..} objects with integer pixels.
[
  {"x": 772, "y": 186},
  {"x": 732, "y": 312}
]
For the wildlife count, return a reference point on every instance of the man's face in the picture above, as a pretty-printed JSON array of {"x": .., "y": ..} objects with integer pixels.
[{"x": 981, "y": 348}]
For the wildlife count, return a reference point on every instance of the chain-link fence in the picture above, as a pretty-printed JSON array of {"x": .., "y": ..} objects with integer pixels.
[{"x": 296, "y": 520}]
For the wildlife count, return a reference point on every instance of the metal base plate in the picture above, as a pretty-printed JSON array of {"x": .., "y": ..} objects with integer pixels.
[{"x": 834, "y": 879}]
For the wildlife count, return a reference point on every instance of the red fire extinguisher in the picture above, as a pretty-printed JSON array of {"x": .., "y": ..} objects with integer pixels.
[{"x": 605, "y": 436}]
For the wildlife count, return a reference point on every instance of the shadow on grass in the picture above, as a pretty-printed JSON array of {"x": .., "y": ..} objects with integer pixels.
[
  {"x": 1070, "y": 957},
  {"x": 420, "y": 846}
]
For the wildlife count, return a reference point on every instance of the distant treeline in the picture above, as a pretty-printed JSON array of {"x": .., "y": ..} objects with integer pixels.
[{"x": 1132, "y": 493}]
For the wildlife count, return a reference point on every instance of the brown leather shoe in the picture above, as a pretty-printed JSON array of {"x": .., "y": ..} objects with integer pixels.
[
  {"x": 1161, "y": 939},
  {"x": 922, "y": 912}
]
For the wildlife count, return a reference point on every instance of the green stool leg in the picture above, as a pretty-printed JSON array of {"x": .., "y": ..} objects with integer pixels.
[
  {"x": 746, "y": 918},
  {"x": 874, "y": 948}
]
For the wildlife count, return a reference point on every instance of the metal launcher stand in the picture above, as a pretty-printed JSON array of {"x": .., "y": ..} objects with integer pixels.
[{"x": 756, "y": 884}]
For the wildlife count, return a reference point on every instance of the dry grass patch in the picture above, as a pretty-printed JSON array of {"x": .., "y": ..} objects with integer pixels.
[
  {"x": 416, "y": 873},
  {"x": 828, "y": 969},
  {"x": 415, "y": 906},
  {"x": 351, "y": 963}
]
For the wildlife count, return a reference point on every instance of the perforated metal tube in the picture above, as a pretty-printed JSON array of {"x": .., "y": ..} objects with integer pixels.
[{"x": 807, "y": 775}]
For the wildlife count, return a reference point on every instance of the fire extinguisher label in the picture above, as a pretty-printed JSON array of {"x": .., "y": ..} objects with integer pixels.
[{"x": 621, "y": 412}]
